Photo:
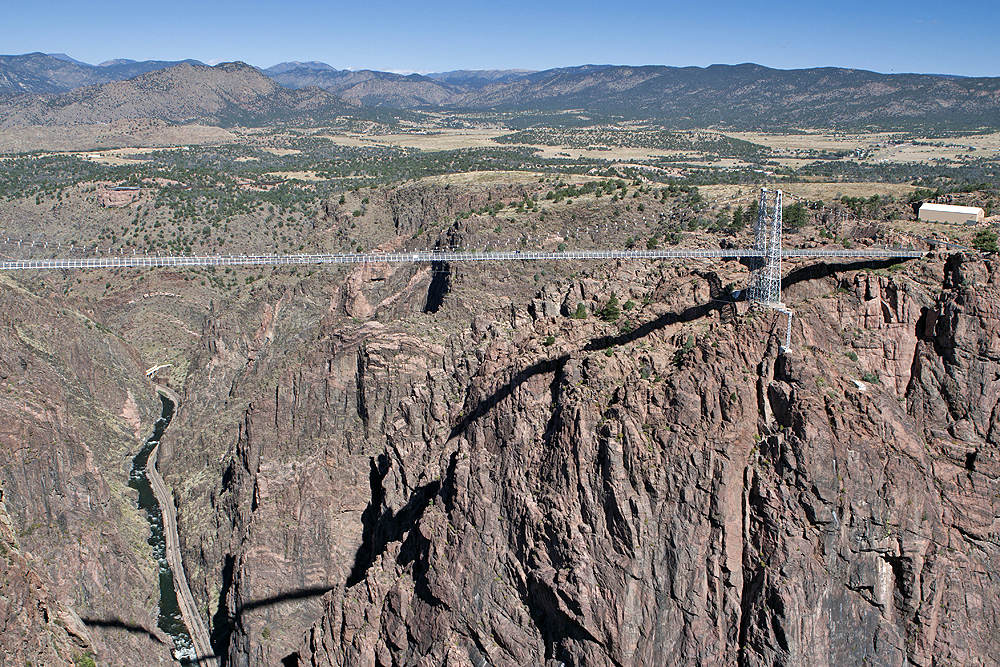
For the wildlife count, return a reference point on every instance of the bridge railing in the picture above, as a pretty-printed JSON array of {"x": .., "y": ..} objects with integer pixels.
[{"x": 140, "y": 261}]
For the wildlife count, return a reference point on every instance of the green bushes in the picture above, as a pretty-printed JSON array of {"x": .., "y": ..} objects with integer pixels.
[
  {"x": 871, "y": 378},
  {"x": 985, "y": 241},
  {"x": 83, "y": 660},
  {"x": 611, "y": 312}
]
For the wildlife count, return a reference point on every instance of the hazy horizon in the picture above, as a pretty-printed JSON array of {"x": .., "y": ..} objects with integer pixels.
[
  {"x": 445, "y": 35},
  {"x": 405, "y": 72}
]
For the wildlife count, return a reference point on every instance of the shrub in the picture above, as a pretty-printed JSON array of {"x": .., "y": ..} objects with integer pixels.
[
  {"x": 550, "y": 340},
  {"x": 82, "y": 660},
  {"x": 852, "y": 355},
  {"x": 611, "y": 312},
  {"x": 581, "y": 311},
  {"x": 985, "y": 241},
  {"x": 871, "y": 378}
]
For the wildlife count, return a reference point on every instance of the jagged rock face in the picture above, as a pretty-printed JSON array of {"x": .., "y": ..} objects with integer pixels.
[
  {"x": 729, "y": 504},
  {"x": 564, "y": 524},
  {"x": 72, "y": 543},
  {"x": 441, "y": 465},
  {"x": 453, "y": 486},
  {"x": 33, "y": 623},
  {"x": 397, "y": 213},
  {"x": 311, "y": 394}
]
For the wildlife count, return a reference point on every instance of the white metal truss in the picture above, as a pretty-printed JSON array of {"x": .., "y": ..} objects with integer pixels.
[
  {"x": 765, "y": 276},
  {"x": 765, "y": 257},
  {"x": 125, "y": 261}
]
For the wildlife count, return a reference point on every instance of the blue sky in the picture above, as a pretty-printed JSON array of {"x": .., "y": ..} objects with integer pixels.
[{"x": 440, "y": 35}]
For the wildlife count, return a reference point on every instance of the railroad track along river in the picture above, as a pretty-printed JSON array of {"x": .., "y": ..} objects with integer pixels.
[{"x": 200, "y": 637}]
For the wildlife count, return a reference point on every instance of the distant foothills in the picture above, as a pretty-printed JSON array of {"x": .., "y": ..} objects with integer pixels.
[{"x": 37, "y": 89}]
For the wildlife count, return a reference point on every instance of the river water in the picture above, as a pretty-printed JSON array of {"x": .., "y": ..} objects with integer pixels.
[{"x": 170, "y": 620}]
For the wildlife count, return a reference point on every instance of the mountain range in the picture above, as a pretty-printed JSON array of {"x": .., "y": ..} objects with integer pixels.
[
  {"x": 39, "y": 89},
  {"x": 227, "y": 94}
]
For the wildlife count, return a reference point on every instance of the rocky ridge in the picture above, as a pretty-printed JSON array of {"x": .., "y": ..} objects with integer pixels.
[
  {"x": 225, "y": 95},
  {"x": 699, "y": 498},
  {"x": 42, "y": 91}
]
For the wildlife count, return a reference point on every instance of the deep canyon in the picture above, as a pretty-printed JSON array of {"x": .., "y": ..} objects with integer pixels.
[{"x": 443, "y": 465}]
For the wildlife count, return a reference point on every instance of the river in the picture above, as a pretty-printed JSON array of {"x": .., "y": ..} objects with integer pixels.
[{"x": 170, "y": 620}]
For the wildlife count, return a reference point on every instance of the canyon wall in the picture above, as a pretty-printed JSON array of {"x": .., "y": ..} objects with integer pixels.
[
  {"x": 78, "y": 576},
  {"x": 444, "y": 465},
  {"x": 499, "y": 483}
]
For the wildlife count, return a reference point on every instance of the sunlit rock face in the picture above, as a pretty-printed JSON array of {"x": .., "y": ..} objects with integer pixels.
[
  {"x": 445, "y": 465},
  {"x": 499, "y": 483}
]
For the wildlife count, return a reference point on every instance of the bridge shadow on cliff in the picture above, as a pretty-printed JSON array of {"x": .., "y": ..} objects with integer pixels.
[
  {"x": 224, "y": 623},
  {"x": 121, "y": 625},
  {"x": 721, "y": 301},
  {"x": 687, "y": 315},
  {"x": 381, "y": 529},
  {"x": 487, "y": 404},
  {"x": 140, "y": 630},
  {"x": 556, "y": 364},
  {"x": 825, "y": 270}
]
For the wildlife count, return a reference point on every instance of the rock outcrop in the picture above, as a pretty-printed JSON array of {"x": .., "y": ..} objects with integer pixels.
[
  {"x": 116, "y": 198},
  {"x": 35, "y": 626},
  {"x": 499, "y": 483}
]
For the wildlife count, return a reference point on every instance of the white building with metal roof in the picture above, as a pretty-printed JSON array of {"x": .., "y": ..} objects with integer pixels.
[{"x": 956, "y": 215}]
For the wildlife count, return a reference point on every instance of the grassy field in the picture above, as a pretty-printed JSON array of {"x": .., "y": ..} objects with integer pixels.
[
  {"x": 814, "y": 191},
  {"x": 876, "y": 147},
  {"x": 438, "y": 131}
]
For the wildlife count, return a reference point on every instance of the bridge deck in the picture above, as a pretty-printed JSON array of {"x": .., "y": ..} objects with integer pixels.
[{"x": 127, "y": 261}]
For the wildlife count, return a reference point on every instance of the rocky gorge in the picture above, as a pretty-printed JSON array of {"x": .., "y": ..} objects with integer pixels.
[{"x": 446, "y": 465}]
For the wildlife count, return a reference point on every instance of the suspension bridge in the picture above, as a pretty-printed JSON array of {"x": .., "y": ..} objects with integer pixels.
[{"x": 764, "y": 258}]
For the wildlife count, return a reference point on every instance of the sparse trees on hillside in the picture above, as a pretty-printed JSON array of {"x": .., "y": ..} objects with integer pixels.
[
  {"x": 985, "y": 241},
  {"x": 753, "y": 212},
  {"x": 739, "y": 220},
  {"x": 611, "y": 312},
  {"x": 794, "y": 217}
]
